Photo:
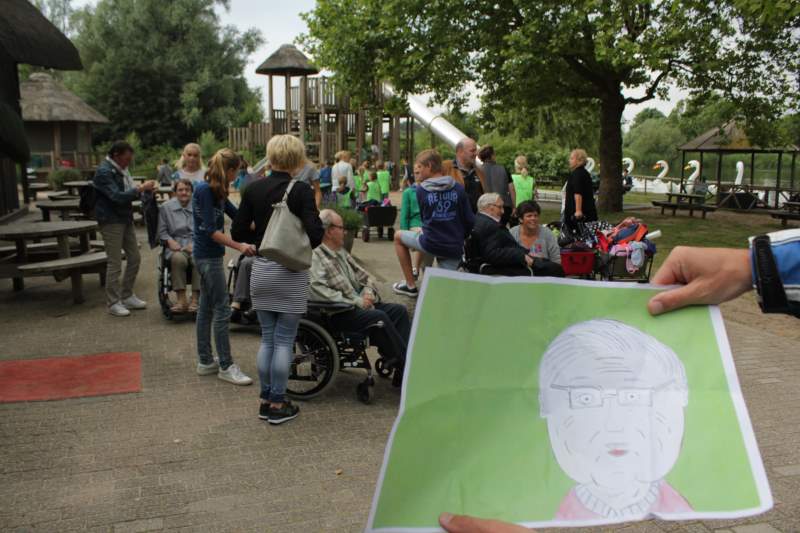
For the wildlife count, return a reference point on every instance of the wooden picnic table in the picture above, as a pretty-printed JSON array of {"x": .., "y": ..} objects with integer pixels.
[
  {"x": 63, "y": 206},
  {"x": 691, "y": 202},
  {"x": 19, "y": 264},
  {"x": 690, "y": 198},
  {"x": 75, "y": 187},
  {"x": 791, "y": 206}
]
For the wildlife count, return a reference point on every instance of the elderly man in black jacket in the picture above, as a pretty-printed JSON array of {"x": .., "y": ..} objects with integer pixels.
[{"x": 494, "y": 251}]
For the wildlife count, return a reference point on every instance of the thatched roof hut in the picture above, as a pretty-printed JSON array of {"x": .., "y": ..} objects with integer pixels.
[
  {"x": 287, "y": 61},
  {"x": 44, "y": 99},
  {"x": 26, "y": 36}
]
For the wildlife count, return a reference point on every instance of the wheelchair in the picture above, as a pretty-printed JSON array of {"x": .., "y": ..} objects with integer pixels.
[
  {"x": 165, "y": 287},
  {"x": 321, "y": 351}
]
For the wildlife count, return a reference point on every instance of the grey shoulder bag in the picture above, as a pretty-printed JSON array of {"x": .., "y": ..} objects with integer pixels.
[{"x": 285, "y": 240}]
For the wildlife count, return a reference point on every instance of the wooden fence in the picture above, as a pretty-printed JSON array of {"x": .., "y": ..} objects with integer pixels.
[{"x": 245, "y": 138}]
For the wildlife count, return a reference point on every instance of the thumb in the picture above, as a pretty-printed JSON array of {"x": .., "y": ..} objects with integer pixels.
[{"x": 674, "y": 299}]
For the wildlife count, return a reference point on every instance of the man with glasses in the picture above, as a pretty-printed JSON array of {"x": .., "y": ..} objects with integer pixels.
[
  {"x": 614, "y": 399},
  {"x": 337, "y": 278}
]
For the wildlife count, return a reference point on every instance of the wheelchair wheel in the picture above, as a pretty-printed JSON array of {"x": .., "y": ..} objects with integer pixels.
[
  {"x": 381, "y": 368},
  {"x": 316, "y": 361}
]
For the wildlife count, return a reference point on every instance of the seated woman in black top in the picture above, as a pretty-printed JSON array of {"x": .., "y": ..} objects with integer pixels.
[{"x": 579, "y": 201}]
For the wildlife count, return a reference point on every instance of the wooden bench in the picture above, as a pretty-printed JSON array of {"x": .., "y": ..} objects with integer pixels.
[
  {"x": 688, "y": 206},
  {"x": 72, "y": 267},
  {"x": 785, "y": 216}
]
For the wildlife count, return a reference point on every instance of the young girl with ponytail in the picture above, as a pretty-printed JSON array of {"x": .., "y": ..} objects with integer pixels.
[{"x": 209, "y": 205}]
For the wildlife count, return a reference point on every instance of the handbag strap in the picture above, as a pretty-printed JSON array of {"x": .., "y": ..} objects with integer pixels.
[{"x": 288, "y": 190}]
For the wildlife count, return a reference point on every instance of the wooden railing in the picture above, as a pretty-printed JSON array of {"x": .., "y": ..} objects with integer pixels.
[
  {"x": 245, "y": 138},
  {"x": 46, "y": 161}
]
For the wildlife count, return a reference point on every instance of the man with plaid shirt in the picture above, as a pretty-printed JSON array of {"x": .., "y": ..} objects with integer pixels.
[{"x": 337, "y": 278}]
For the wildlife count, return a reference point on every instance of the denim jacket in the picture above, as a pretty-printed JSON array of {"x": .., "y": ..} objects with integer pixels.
[{"x": 113, "y": 204}]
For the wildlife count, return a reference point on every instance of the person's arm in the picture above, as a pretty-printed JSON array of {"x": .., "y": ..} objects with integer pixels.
[
  {"x": 163, "y": 231},
  {"x": 305, "y": 208},
  {"x": 578, "y": 206},
  {"x": 223, "y": 239},
  {"x": 496, "y": 253},
  {"x": 551, "y": 243},
  {"x": 513, "y": 192},
  {"x": 106, "y": 185},
  {"x": 468, "y": 524},
  {"x": 240, "y": 228},
  {"x": 320, "y": 290},
  {"x": 317, "y": 193},
  {"x": 230, "y": 209},
  {"x": 405, "y": 212}
]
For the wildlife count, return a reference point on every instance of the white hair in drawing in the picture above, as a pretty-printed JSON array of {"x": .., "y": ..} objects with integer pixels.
[{"x": 614, "y": 398}]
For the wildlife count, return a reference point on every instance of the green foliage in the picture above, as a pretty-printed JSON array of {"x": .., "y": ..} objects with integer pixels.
[
  {"x": 209, "y": 144},
  {"x": 57, "y": 177},
  {"x": 646, "y": 114},
  {"x": 652, "y": 140},
  {"x": 165, "y": 70},
  {"x": 352, "y": 220},
  {"x": 534, "y": 53}
]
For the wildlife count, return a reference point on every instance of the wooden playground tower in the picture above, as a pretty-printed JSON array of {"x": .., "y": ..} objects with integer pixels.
[{"x": 324, "y": 120}]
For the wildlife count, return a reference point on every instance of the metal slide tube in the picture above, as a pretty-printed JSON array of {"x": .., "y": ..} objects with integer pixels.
[{"x": 429, "y": 118}]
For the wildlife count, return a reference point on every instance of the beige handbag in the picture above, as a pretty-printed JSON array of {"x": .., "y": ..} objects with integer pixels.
[{"x": 285, "y": 240}]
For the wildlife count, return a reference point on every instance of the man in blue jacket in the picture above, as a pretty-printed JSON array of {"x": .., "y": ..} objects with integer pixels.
[
  {"x": 447, "y": 219},
  {"x": 114, "y": 213}
]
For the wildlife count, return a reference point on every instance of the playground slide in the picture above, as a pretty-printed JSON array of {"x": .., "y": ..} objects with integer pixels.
[{"x": 421, "y": 113}]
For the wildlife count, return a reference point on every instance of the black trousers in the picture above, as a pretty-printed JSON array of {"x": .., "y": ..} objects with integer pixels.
[
  {"x": 391, "y": 340},
  {"x": 541, "y": 267}
]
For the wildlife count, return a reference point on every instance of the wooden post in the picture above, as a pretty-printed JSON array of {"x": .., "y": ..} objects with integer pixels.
[
  {"x": 778, "y": 180},
  {"x": 288, "y": 88},
  {"x": 270, "y": 118},
  {"x": 323, "y": 134},
  {"x": 361, "y": 126},
  {"x": 752, "y": 168},
  {"x": 683, "y": 164},
  {"x": 56, "y": 143},
  {"x": 794, "y": 157},
  {"x": 394, "y": 148},
  {"x": 719, "y": 175},
  {"x": 301, "y": 102}
]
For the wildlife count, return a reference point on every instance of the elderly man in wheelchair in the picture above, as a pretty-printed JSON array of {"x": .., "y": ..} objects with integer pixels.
[
  {"x": 175, "y": 228},
  {"x": 339, "y": 283}
]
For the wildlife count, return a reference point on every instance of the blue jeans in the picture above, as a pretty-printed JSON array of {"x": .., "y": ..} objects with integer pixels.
[
  {"x": 278, "y": 331},
  {"x": 214, "y": 307}
]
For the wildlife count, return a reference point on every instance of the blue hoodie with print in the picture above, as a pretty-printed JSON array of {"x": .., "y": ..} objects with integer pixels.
[{"x": 446, "y": 216}]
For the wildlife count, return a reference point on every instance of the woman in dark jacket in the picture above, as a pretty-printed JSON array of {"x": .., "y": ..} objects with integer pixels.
[
  {"x": 278, "y": 295},
  {"x": 579, "y": 201}
]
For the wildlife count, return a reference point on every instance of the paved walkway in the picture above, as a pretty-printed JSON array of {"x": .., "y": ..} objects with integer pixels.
[{"x": 188, "y": 453}]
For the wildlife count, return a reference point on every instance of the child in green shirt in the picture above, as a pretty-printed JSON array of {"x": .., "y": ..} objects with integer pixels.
[{"x": 372, "y": 188}]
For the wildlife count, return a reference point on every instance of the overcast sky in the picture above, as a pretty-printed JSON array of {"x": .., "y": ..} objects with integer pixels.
[{"x": 280, "y": 23}]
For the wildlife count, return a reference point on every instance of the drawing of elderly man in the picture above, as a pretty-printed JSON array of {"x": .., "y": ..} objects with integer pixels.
[{"x": 614, "y": 400}]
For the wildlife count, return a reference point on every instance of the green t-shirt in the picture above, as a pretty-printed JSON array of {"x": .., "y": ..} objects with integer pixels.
[
  {"x": 384, "y": 180},
  {"x": 357, "y": 182},
  {"x": 343, "y": 199},
  {"x": 373, "y": 191},
  {"x": 523, "y": 187}
]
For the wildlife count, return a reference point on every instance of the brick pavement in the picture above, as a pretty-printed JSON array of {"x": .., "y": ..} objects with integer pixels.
[{"x": 189, "y": 454}]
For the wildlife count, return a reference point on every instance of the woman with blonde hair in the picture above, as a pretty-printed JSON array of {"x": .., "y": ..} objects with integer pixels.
[
  {"x": 278, "y": 295},
  {"x": 190, "y": 164},
  {"x": 524, "y": 184},
  {"x": 209, "y": 202}
]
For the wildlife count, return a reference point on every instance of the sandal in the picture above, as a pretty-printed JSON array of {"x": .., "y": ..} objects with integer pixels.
[{"x": 179, "y": 308}]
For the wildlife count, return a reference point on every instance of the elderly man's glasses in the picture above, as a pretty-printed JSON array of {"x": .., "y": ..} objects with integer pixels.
[{"x": 591, "y": 397}]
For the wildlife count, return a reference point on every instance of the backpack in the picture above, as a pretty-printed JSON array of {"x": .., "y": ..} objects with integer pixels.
[{"x": 88, "y": 200}]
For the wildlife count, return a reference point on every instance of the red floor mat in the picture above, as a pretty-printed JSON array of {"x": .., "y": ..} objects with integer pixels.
[{"x": 56, "y": 378}]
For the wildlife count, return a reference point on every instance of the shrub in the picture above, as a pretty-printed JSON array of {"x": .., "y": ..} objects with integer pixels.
[
  {"x": 57, "y": 177},
  {"x": 352, "y": 220}
]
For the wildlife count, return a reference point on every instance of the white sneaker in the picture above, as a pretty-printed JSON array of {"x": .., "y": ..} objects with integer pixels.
[
  {"x": 233, "y": 374},
  {"x": 118, "y": 309},
  {"x": 132, "y": 302},
  {"x": 207, "y": 370}
]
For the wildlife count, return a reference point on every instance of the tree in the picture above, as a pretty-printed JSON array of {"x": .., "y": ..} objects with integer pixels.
[
  {"x": 524, "y": 54},
  {"x": 651, "y": 140},
  {"x": 646, "y": 114},
  {"x": 165, "y": 70}
]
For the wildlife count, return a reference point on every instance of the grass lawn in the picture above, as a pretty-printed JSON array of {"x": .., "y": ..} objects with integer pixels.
[{"x": 721, "y": 228}]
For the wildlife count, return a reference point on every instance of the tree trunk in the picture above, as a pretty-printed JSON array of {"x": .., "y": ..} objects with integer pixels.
[{"x": 611, "y": 109}]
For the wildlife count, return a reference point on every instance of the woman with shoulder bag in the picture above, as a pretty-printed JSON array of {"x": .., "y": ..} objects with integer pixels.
[{"x": 279, "y": 283}]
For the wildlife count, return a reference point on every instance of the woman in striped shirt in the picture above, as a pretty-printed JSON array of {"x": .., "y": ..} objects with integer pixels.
[{"x": 278, "y": 295}]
